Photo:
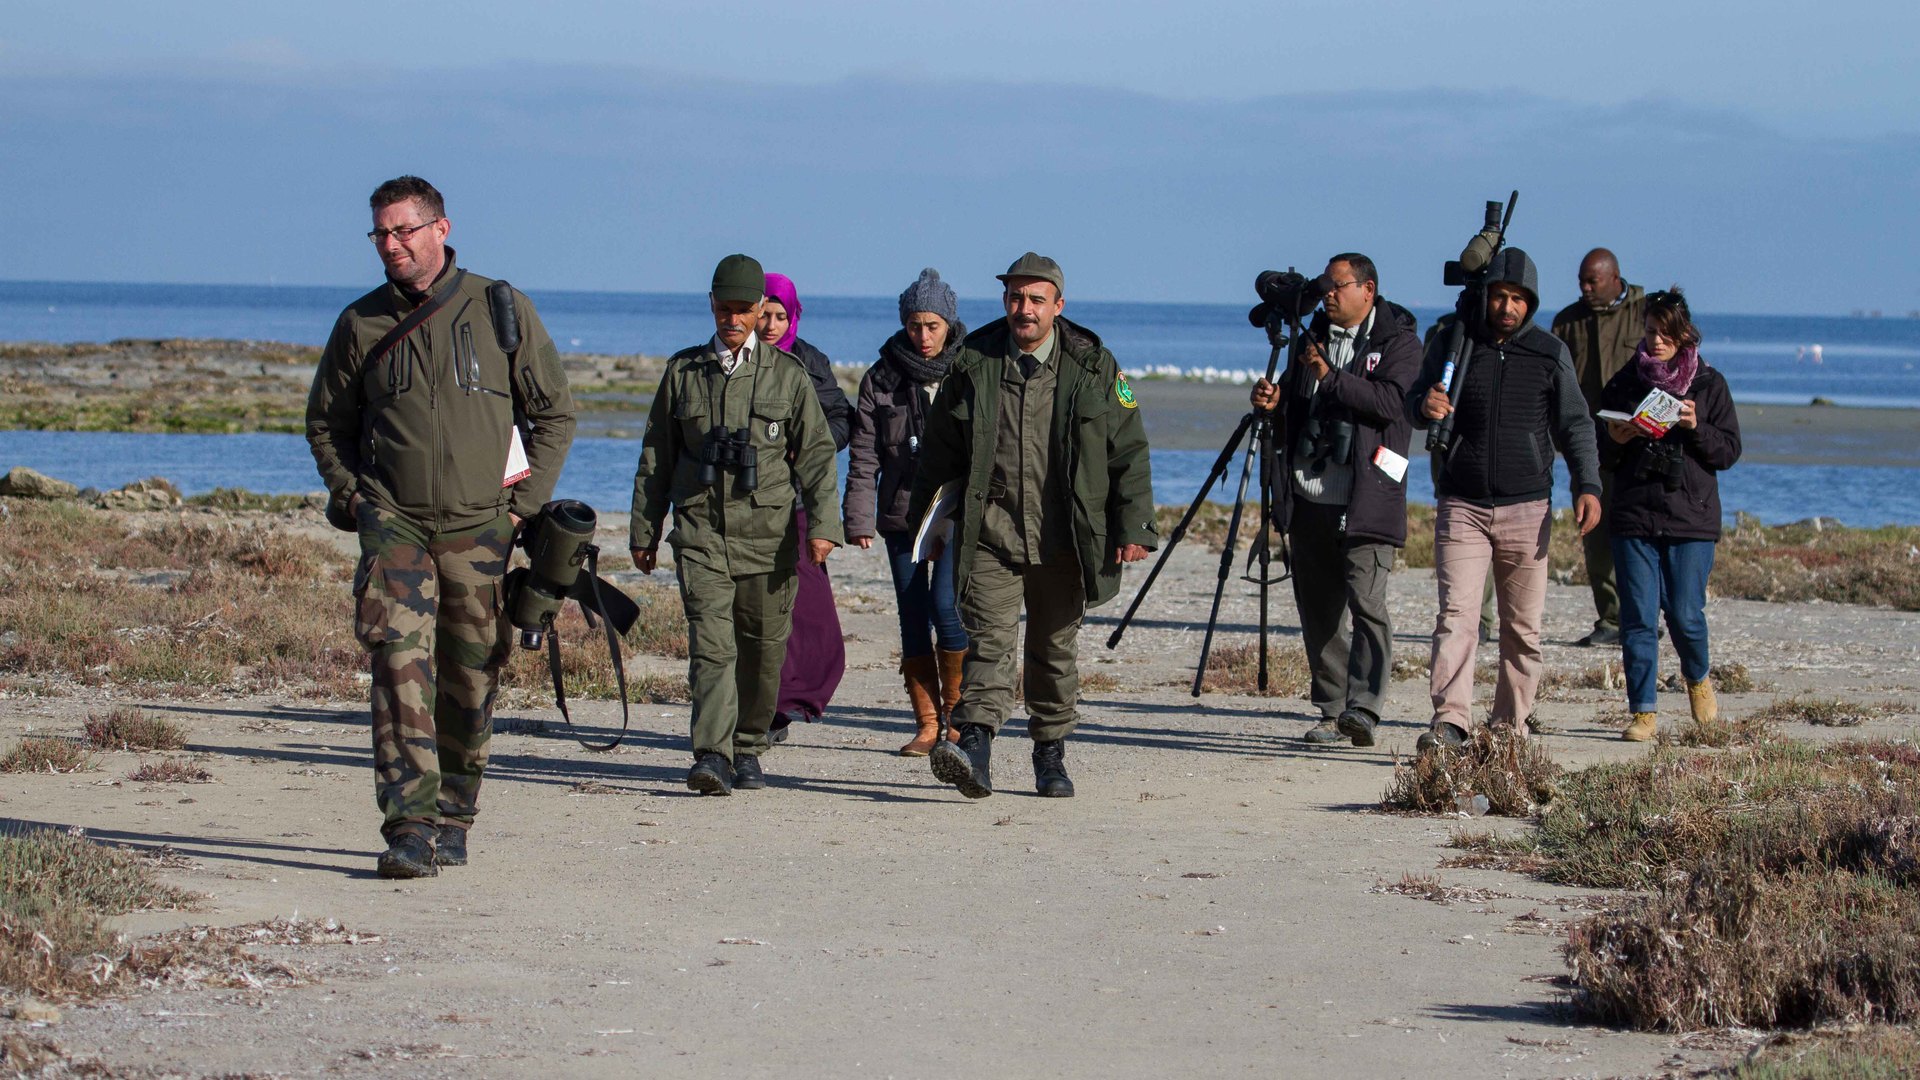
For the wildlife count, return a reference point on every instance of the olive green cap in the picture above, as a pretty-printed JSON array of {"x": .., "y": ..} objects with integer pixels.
[
  {"x": 1031, "y": 265},
  {"x": 739, "y": 277}
]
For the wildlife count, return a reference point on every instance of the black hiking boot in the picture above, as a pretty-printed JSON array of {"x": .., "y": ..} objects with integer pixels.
[
  {"x": 966, "y": 764},
  {"x": 409, "y": 855},
  {"x": 1050, "y": 777},
  {"x": 711, "y": 774},
  {"x": 450, "y": 846}
]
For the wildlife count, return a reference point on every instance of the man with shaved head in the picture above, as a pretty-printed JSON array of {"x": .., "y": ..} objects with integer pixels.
[{"x": 1601, "y": 329}]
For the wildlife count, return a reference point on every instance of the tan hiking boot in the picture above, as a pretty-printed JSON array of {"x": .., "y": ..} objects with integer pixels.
[
  {"x": 1644, "y": 727},
  {"x": 1706, "y": 706},
  {"x": 923, "y": 682},
  {"x": 950, "y": 663}
]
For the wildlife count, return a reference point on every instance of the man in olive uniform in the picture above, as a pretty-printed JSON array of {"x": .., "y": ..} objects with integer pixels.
[
  {"x": 1043, "y": 431},
  {"x": 735, "y": 428},
  {"x": 1602, "y": 329},
  {"x": 411, "y": 419}
]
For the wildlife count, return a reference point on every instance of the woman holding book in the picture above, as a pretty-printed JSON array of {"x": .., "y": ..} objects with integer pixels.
[
  {"x": 888, "y": 422},
  {"x": 1678, "y": 433}
]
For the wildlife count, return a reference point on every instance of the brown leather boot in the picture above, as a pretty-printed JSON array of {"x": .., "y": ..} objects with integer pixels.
[
  {"x": 950, "y": 662},
  {"x": 922, "y": 676},
  {"x": 1644, "y": 727},
  {"x": 1706, "y": 706}
]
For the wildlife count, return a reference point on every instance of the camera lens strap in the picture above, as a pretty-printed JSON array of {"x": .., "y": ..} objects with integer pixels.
[{"x": 592, "y": 570}]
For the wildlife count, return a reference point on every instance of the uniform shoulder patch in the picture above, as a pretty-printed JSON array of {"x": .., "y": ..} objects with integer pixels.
[{"x": 1123, "y": 390}]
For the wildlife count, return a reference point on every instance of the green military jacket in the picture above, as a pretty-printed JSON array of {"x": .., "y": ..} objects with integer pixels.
[
  {"x": 1602, "y": 341},
  {"x": 722, "y": 525},
  {"x": 424, "y": 431},
  {"x": 1099, "y": 445}
]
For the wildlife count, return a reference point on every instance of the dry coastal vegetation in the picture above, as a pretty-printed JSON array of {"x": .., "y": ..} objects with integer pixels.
[{"x": 1771, "y": 885}]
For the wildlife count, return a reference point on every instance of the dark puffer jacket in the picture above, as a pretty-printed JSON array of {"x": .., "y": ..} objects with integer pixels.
[
  {"x": 1373, "y": 394},
  {"x": 1521, "y": 399},
  {"x": 833, "y": 400},
  {"x": 889, "y": 420},
  {"x": 1642, "y": 505}
]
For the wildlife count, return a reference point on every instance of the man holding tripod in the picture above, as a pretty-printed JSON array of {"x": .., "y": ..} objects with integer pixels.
[{"x": 1337, "y": 487}]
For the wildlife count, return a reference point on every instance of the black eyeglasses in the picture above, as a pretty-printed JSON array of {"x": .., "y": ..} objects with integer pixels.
[
  {"x": 1338, "y": 285},
  {"x": 402, "y": 233}
]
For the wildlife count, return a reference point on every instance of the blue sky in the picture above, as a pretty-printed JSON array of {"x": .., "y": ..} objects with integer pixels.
[{"x": 1737, "y": 148}]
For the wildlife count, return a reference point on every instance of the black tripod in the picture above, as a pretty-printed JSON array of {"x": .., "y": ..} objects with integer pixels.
[{"x": 1261, "y": 425}]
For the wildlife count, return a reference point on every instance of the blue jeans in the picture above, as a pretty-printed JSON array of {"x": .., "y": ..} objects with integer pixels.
[
  {"x": 1657, "y": 575},
  {"x": 928, "y": 610}
]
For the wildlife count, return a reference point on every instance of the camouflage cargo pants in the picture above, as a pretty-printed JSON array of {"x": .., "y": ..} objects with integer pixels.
[{"x": 428, "y": 608}]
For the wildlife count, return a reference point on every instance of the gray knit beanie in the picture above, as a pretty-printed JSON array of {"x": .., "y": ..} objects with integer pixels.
[{"x": 930, "y": 294}]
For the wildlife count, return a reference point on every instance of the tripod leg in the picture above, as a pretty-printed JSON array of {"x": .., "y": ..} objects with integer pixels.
[
  {"x": 1263, "y": 438},
  {"x": 1179, "y": 533},
  {"x": 1226, "y": 565}
]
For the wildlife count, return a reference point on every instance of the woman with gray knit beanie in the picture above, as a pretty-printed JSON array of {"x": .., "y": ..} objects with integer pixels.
[{"x": 888, "y": 421}]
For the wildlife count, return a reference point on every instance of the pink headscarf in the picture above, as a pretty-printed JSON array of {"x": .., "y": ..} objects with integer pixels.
[{"x": 780, "y": 287}]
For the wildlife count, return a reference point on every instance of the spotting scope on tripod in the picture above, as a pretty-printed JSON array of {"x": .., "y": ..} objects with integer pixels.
[{"x": 1285, "y": 298}]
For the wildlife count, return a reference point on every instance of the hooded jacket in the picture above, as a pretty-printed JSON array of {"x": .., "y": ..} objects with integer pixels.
[
  {"x": 889, "y": 422},
  {"x": 1521, "y": 399},
  {"x": 1372, "y": 393},
  {"x": 1100, "y": 447}
]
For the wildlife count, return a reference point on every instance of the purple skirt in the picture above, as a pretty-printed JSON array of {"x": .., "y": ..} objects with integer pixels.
[{"x": 816, "y": 653}]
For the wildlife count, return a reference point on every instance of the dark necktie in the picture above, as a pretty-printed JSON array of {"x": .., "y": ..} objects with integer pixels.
[{"x": 1029, "y": 364}]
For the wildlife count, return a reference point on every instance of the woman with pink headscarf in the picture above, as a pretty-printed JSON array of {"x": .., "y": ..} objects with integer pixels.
[{"x": 816, "y": 653}]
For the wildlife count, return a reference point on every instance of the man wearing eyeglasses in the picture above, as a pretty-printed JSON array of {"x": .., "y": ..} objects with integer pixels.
[
  {"x": 1338, "y": 489},
  {"x": 437, "y": 429}
]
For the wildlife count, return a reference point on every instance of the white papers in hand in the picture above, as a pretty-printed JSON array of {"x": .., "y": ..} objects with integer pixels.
[
  {"x": 517, "y": 467},
  {"x": 939, "y": 519}
]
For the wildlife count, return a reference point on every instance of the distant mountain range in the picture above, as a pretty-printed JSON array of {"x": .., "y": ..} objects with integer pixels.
[{"x": 601, "y": 178}]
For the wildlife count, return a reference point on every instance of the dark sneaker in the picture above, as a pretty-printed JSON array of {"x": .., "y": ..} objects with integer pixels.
[
  {"x": 967, "y": 764},
  {"x": 1356, "y": 724},
  {"x": 1451, "y": 736},
  {"x": 1050, "y": 777},
  {"x": 746, "y": 772},
  {"x": 1324, "y": 733},
  {"x": 1600, "y": 635},
  {"x": 711, "y": 774},
  {"x": 408, "y": 855},
  {"x": 450, "y": 846}
]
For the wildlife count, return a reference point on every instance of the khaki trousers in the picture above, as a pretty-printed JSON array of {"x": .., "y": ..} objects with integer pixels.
[
  {"x": 1055, "y": 599},
  {"x": 736, "y": 643},
  {"x": 1469, "y": 542}
]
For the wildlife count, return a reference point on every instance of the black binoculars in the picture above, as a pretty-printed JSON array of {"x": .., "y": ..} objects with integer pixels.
[
  {"x": 1662, "y": 461},
  {"x": 1324, "y": 439},
  {"x": 727, "y": 448}
]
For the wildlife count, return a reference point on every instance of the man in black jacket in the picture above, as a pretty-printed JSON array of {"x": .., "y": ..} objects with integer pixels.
[
  {"x": 1519, "y": 392},
  {"x": 1338, "y": 481}
]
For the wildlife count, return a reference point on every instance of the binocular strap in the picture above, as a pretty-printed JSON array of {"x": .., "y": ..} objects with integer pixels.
[{"x": 613, "y": 652}]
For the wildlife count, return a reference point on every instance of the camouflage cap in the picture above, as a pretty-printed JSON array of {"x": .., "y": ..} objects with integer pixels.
[
  {"x": 739, "y": 277},
  {"x": 1031, "y": 265}
]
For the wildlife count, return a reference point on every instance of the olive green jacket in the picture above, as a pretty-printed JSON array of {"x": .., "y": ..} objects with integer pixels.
[
  {"x": 424, "y": 431},
  {"x": 1099, "y": 444},
  {"x": 722, "y": 525},
  {"x": 1601, "y": 341}
]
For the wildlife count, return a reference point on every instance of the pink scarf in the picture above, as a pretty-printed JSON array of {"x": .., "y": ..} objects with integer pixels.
[{"x": 1674, "y": 376}]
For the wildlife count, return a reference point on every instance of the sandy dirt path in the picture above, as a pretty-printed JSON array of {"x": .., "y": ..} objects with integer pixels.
[{"x": 1209, "y": 901}]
